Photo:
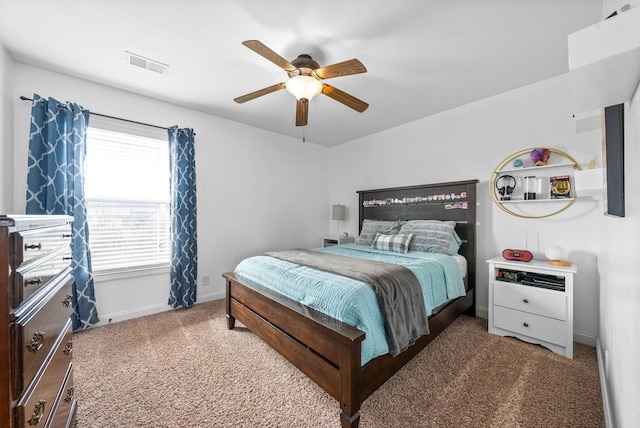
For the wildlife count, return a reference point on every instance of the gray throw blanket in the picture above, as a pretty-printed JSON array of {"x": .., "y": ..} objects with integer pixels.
[{"x": 397, "y": 289}]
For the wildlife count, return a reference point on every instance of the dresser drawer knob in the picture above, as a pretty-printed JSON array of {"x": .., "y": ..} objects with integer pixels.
[
  {"x": 526, "y": 324},
  {"x": 36, "y": 341},
  {"x": 68, "y": 347},
  {"x": 70, "y": 392},
  {"x": 32, "y": 246},
  {"x": 525, "y": 300},
  {"x": 67, "y": 301},
  {"x": 35, "y": 281},
  {"x": 38, "y": 412}
]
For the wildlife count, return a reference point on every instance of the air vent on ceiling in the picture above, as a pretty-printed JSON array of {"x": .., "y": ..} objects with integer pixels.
[{"x": 146, "y": 63}]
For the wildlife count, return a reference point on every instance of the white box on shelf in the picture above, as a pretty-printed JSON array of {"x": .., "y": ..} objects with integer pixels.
[{"x": 588, "y": 181}]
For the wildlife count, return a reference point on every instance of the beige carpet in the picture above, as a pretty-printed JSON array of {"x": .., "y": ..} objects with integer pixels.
[{"x": 185, "y": 369}]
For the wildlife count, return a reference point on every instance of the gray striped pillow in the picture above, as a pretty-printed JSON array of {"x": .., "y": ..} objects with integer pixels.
[
  {"x": 371, "y": 227},
  {"x": 431, "y": 236}
]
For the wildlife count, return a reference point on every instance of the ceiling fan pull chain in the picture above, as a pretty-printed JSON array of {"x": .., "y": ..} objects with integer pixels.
[{"x": 304, "y": 140}]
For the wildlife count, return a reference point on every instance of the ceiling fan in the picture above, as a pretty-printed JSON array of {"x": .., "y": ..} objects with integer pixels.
[{"x": 304, "y": 82}]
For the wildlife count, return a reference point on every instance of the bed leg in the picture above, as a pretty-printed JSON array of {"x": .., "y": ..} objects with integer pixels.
[
  {"x": 350, "y": 421},
  {"x": 231, "y": 322}
]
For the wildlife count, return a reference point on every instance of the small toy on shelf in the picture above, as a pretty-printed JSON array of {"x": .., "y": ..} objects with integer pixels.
[{"x": 540, "y": 156}]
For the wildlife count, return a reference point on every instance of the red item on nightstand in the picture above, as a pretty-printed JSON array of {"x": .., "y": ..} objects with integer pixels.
[{"x": 519, "y": 255}]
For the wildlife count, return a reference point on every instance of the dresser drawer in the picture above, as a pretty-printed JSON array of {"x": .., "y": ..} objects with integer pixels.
[
  {"x": 35, "y": 406},
  {"x": 31, "y": 277},
  {"x": 36, "y": 329},
  {"x": 63, "y": 415},
  {"x": 539, "y": 301},
  {"x": 535, "y": 326},
  {"x": 35, "y": 243}
]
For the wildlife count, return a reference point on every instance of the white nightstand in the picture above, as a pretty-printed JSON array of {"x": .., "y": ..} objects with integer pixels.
[
  {"x": 532, "y": 301},
  {"x": 328, "y": 241}
]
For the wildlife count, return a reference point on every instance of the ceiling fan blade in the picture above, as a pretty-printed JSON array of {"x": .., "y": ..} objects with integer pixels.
[
  {"x": 259, "y": 93},
  {"x": 344, "y": 98},
  {"x": 261, "y": 49},
  {"x": 302, "y": 112},
  {"x": 345, "y": 68}
]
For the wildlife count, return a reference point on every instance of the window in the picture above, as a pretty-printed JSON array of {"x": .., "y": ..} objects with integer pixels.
[{"x": 127, "y": 194}]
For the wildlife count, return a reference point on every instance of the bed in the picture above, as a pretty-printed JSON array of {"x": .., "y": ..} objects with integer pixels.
[{"x": 330, "y": 351}]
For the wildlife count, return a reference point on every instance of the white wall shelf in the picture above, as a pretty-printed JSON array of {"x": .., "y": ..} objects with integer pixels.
[
  {"x": 538, "y": 168},
  {"x": 560, "y": 164}
]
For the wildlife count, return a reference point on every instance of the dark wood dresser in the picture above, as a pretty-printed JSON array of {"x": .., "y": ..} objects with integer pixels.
[{"x": 35, "y": 330}]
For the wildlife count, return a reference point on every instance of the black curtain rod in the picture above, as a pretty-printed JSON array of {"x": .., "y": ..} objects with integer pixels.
[{"x": 23, "y": 98}]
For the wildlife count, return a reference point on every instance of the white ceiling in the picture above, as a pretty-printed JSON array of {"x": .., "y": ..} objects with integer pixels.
[{"x": 422, "y": 57}]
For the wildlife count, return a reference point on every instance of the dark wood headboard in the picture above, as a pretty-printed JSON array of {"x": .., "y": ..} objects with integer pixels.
[{"x": 442, "y": 201}]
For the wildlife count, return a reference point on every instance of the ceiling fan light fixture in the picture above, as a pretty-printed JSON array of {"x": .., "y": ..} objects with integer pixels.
[{"x": 304, "y": 87}]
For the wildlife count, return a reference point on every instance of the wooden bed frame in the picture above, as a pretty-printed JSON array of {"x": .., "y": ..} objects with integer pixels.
[{"x": 329, "y": 351}]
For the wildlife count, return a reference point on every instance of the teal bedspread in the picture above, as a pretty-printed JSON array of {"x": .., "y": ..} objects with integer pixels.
[{"x": 351, "y": 301}]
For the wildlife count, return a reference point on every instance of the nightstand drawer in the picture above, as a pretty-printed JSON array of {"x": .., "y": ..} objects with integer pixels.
[
  {"x": 539, "y": 301},
  {"x": 535, "y": 326}
]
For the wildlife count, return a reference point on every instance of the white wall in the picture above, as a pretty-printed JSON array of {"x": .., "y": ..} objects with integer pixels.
[
  {"x": 469, "y": 142},
  {"x": 619, "y": 287},
  {"x": 256, "y": 190},
  {"x": 6, "y": 130}
]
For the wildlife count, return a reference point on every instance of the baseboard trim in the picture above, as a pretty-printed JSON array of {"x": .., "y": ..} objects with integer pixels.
[
  {"x": 608, "y": 412},
  {"x": 211, "y": 296},
  {"x": 106, "y": 319},
  {"x": 585, "y": 338},
  {"x": 482, "y": 312}
]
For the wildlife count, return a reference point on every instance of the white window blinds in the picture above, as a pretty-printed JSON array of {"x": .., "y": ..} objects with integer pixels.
[{"x": 127, "y": 193}]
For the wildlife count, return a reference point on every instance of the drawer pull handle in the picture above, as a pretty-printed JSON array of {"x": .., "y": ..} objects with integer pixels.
[
  {"x": 70, "y": 392},
  {"x": 36, "y": 281},
  {"x": 38, "y": 412},
  {"x": 526, "y": 324},
  {"x": 36, "y": 341},
  {"x": 68, "y": 347},
  {"x": 67, "y": 235},
  {"x": 67, "y": 258},
  {"x": 67, "y": 301},
  {"x": 33, "y": 246},
  {"x": 525, "y": 300}
]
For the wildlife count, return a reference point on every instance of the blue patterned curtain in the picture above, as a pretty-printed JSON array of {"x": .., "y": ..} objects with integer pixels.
[
  {"x": 55, "y": 185},
  {"x": 184, "y": 249}
]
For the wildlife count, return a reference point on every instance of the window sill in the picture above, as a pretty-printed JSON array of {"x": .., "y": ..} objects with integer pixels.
[{"x": 115, "y": 275}]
